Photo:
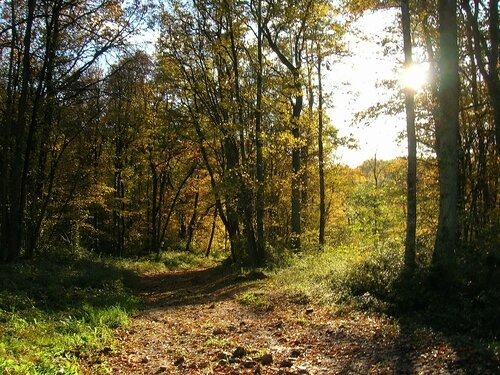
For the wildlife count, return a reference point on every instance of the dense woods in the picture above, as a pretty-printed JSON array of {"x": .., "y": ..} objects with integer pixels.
[
  {"x": 225, "y": 126},
  {"x": 218, "y": 137}
]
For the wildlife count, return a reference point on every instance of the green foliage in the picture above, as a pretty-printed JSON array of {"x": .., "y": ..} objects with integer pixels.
[
  {"x": 368, "y": 277},
  {"x": 217, "y": 342}
]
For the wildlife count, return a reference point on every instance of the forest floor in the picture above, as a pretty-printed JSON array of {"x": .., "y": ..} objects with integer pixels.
[{"x": 208, "y": 321}]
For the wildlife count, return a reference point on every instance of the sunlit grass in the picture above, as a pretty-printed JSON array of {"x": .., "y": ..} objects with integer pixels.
[
  {"x": 310, "y": 276},
  {"x": 256, "y": 299},
  {"x": 217, "y": 342},
  {"x": 39, "y": 342},
  {"x": 340, "y": 275},
  {"x": 171, "y": 260}
]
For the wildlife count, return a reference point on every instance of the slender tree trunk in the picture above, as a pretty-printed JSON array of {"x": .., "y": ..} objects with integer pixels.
[
  {"x": 321, "y": 161},
  {"x": 96, "y": 211},
  {"x": 229, "y": 219},
  {"x": 118, "y": 219},
  {"x": 259, "y": 201},
  {"x": 411, "y": 178},
  {"x": 212, "y": 233},
  {"x": 246, "y": 195},
  {"x": 154, "y": 210},
  {"x": 304, "y": 150},
  {"x": 447, "y": 142},
  {"x": 494, "y": 88},
  {"x": 44, "y": 182},
  {"x": 487, "y": 59},
  {"x": 35, "y": 235},
  {"x": 295, "y": 120},
  {"x": 17, "y": 190},
  {"x": 6, "y": 141},
  {"x": 176, "y": 198},
  {"x": 296, "y": 175},
  {"x": 192, "y": 223},
  {"x": 237, "y": 89}
]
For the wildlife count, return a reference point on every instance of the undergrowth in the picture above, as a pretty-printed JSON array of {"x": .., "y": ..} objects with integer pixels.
[
  {"x": 369, "y": 279},
  {"x": 341, "y": 276}
]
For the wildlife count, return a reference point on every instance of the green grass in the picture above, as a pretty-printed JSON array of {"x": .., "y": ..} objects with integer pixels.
[
  {"x": 256, "y": 299},
  {"x": 326, "y": 277},
  {"x": 217, "y": 342},
  {"x": 170, "y": 260},
  {"x": 61, "y": 311},
  {"x": 183, "y": 260},
  {"x": 360, "y": 277}
]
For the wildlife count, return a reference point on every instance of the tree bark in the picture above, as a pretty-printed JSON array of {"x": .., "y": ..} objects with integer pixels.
[
  {"x": 246, "y": 194},
  {"x": 154, "y": 210},
  {"x": 192, "y": 223},
  {"x": 297, "y": 106},
  {"x": 321, "y": 161},
  {"x": 487, "y": 59},
  {"x": 194, "y": 166},
  {"x": 16, "y": 188},
  {"x": 259, "y": 201},
  {"x": 212, "y": 233},
  {"x": 296, "y": 174},
  {"x": 447, "y": 142},
  {"x": 411, "y": 177},
  {"x": 6, "y": 141}
]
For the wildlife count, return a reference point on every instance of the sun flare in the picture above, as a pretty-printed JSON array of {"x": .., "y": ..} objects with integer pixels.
[{"x": 415, "y": 76}]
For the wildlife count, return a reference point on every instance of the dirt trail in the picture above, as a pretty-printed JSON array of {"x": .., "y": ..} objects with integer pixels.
[{"x": 193, "y": 324}]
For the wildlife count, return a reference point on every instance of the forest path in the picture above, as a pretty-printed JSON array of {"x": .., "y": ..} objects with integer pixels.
[{"x": 194, "y": 323}]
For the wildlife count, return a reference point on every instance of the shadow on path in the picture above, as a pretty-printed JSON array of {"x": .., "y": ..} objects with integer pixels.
[{"x": 192, "y": 287}]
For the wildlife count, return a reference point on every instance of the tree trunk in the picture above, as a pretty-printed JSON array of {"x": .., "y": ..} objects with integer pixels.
[
  {"x": 118, "y": 218},
  {"x": 192, "y": 223},
  {"x": 295, "y": 120},
  {"x": 154, "y": 210},
  {"x": 212, "y": 232},
  {"x": 16, "y": 188},
  {"x": 296, "y": 175},
  {"x": 489, "y": 68},
  {"x": 229, "y": 219},
  {"x": 43, "y": 184},
  {"x": 176, "y": 198},
  {"x": 6, "y": 142},
  {"x": 259, "y": 201},
  {"x": 411, "y": 178},
  {"x": 245, "y": 199},
  {"x": 321, "y": 162},
  {"x": 447, "y": 142}
]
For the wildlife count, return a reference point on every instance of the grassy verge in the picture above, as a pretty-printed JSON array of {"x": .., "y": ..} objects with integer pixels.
[{"x": 61, "y": 311}]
